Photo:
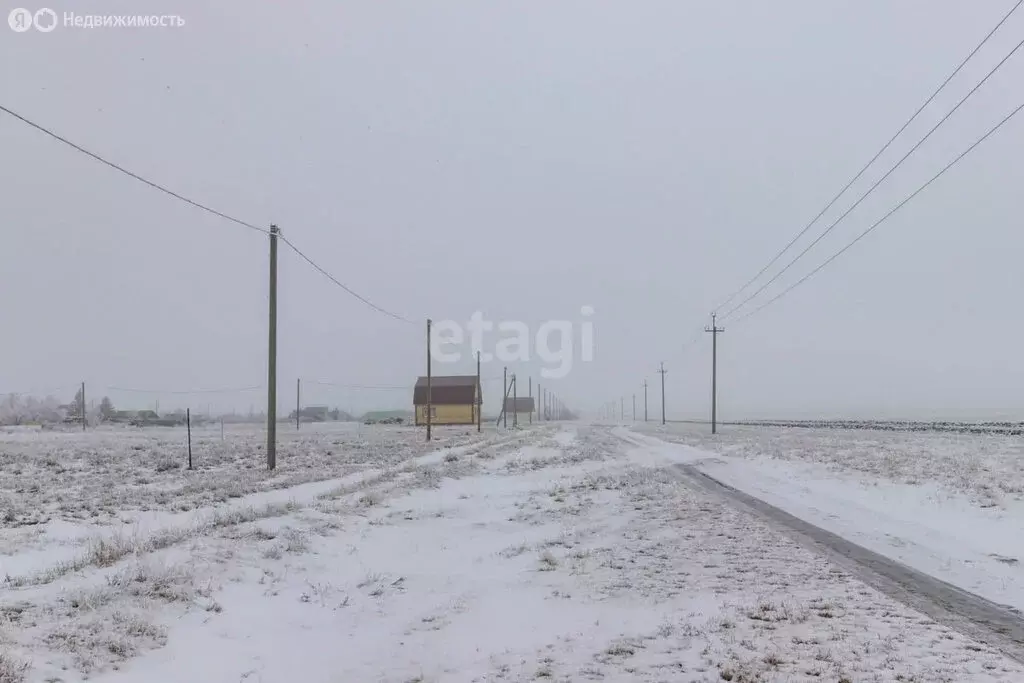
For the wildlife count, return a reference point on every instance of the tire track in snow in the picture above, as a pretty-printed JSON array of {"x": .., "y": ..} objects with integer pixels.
[{"x": 999, "y": 626}]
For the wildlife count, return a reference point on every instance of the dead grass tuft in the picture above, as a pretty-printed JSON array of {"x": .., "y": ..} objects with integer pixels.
[
  {"x": 548, "y": 562},
  {"x": 12, "y": 670}
]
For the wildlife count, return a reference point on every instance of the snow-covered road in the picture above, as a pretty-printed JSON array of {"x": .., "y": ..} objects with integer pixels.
[
  {"x": 566, "y": 554},
  {"x": 927, "y": 526}
]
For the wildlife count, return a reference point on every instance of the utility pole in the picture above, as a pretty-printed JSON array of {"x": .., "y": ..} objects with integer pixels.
[
  {"x": 622, "y": 409},
  {"x": 272, "y": 356},
  {"x": 83, "y": 407},
  {"x": 540, "y": 402},
  {"x": 430, "y": 407},
  {"x": 479, "y": 392},
  {"x": 298, "y": 401},
  {"x": 662, "y": 370},
  {"x": 714, "y": 330},
  {"x": 504, "y": 397},
  {"x": 530, "y": 382},
  {"x": 645, "y": 400},
  {"x": 634, "y": 407},
  {"x": 515, "y": 402}
]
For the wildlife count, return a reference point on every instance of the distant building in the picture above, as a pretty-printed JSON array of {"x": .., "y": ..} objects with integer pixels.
[
  {"x": 521, "y": 407},
  {"x": 315, "y": 414},
  {"x": 454, "y": 400}
]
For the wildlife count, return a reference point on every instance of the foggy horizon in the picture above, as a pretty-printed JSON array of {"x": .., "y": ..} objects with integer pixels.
[{"x": 444, "y": 160}]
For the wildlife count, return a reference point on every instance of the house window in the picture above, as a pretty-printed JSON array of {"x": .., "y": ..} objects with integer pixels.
[{"x": 433, "y": 412}]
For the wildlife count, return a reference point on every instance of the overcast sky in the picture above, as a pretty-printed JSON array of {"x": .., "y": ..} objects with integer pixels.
[{"x": 522, "y": 159}]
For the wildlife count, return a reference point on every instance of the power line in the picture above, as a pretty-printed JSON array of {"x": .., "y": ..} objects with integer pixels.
[
  {"x": 198, "y": 205},
  {"x": 131, "y": 174},
  {"x": 344, "y": 287},
  {"x": 883, "y": 218},
  {"x": 877, "y": 183},
  {"x": 359, "y": 386},
  {"x": 184, "y": 393},
  {"x": 873, "y": 159}
]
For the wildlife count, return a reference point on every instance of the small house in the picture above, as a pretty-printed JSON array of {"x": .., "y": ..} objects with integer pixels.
[
  {"x": 519, "y": 407},
  {"x": 454, "y": 400}
]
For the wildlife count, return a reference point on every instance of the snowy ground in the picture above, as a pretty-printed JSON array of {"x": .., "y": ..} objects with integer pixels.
[
  {"x": 554, "y": 553},
  {"x": 982, "y": 467},
  {"x": 948, "y": 506}
]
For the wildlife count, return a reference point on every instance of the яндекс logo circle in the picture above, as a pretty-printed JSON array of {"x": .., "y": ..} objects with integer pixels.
[{"x": 20, "y": 20}]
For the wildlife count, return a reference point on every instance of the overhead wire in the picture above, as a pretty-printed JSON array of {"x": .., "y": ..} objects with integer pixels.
[
  {"x": 132, "y": 174},
  {"x": 881, "y": 220},
  {"x": 879, "y": 153},
  {"x": 198, "y": 205},
  {"x": 338, "y": 282},
  {"x": 233, "y": 390},
  {"x": 871, "y": 189}
]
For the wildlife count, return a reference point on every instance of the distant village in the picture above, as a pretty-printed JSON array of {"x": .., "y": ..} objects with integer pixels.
[{"x": 17, "y": 410}]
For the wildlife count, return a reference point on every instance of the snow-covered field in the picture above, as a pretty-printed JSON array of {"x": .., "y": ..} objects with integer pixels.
[
  {"x": 984, "y": 468},
  {"x": 946, "y": 505},
  {"x": 551, "y": 553},
  {"x": 101, "y": 474}
]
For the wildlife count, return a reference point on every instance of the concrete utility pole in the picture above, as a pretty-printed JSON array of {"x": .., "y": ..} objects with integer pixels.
[
  {"x": 479, "y": 392},
  {"x": 645, "y": 400},
  {"x": 662, "y": 371},
  {"x": 298, "y": 402},
  {"x": 504, "y": 397},
  {"x": 540, "y": 402},
  {"x": 272, "y": 356},
  {"x": 634, "y": 407},
  {"x": 430, "y": 407},
  {"x": 714, "y": 330},
  {"x": 83, "y": 407},
  {"x": 622, "y": 409}
]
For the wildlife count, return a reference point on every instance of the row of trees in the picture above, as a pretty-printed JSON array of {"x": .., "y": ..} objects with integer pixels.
[{"x": 16, "y": 409}]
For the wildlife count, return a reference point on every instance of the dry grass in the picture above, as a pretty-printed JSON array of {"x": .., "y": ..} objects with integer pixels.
[
  {"x": 107, "y": 639},
  {"x": 12, "y": 670},
  {"x": 548, "y": 562},
  {"x": 104, "y": 472},
  {"x": 107, "y": 551}
]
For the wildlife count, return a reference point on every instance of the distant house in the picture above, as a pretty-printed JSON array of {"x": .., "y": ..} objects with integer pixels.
[
  {"x": 391, "y": 415},
  {"x": 314, "y": 414},
  {"x": 521, "y": 407},
  {"x": 454, "y": 400}
]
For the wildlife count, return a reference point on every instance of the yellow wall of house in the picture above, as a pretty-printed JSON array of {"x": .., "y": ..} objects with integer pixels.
[{"x": 447, "y": 415}]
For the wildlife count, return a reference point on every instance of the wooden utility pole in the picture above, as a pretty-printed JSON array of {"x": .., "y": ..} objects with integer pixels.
[
  {"x": 714, "y": 330},
  {"x": 530, "y": 382},
  {"x": 188, "y": 426},
  {"x": 298, "y": 402},
  {"x": 272, "y": 356},
  {"x": 515, "y": 402},
  {"x": 429, "y": 396},
  {"x": 662, "y": 370},
  {"x": 479, "y": 392},
  {"x": 83, "y": 407}
]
